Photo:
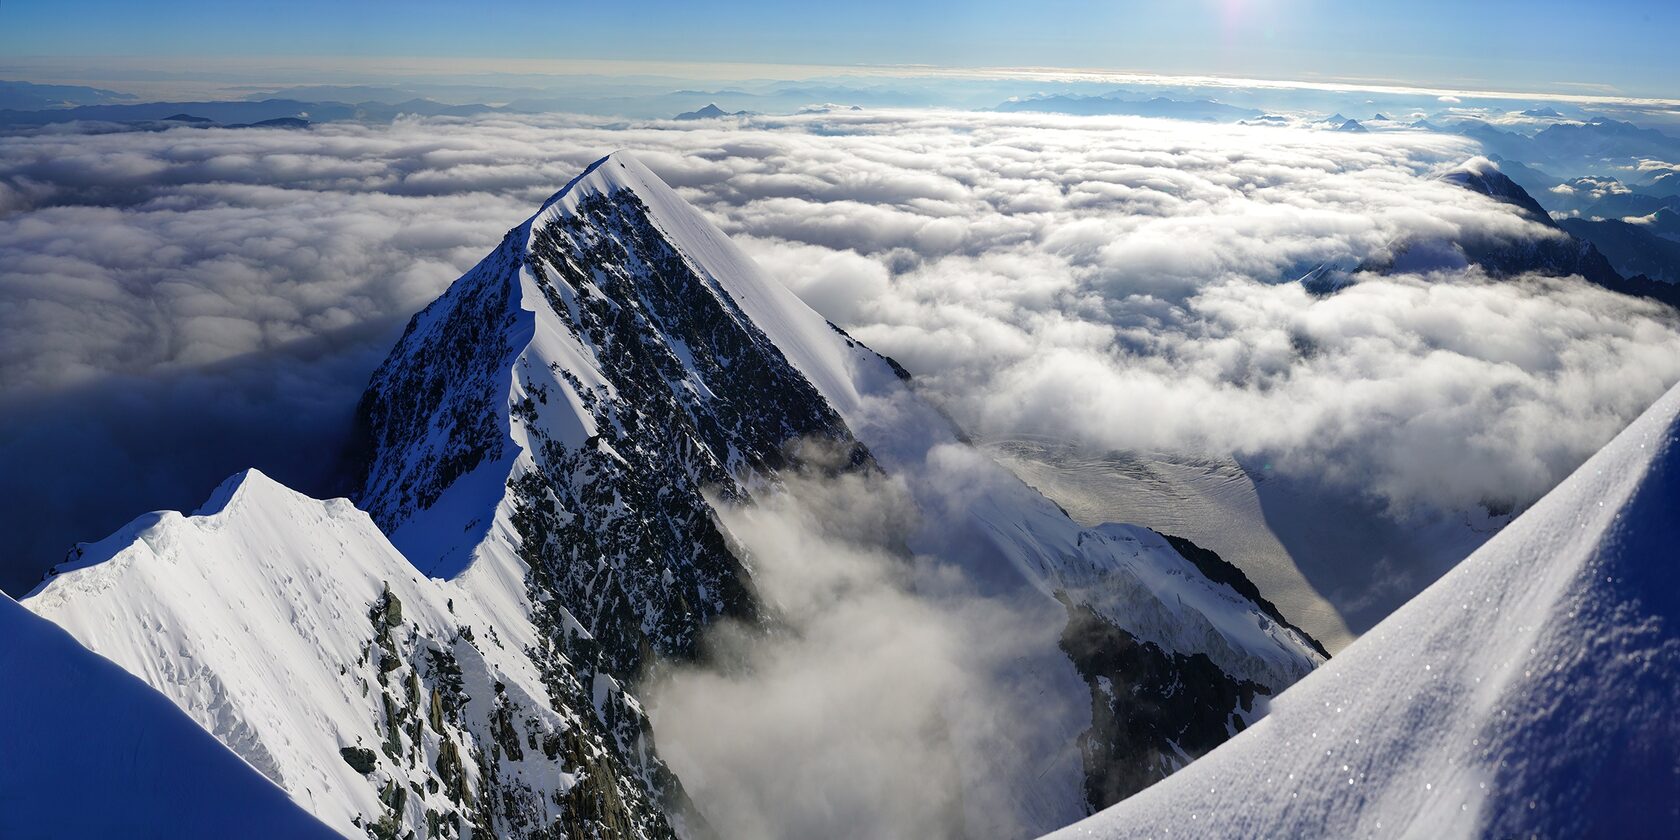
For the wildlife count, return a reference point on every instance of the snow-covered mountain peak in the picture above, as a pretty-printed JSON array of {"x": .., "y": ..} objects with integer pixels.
[
  {"x": 552, "y": 420},
  {"x": 619, "y": 170}
]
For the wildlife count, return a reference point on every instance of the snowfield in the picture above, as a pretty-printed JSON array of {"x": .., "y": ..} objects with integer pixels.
[{"x": 252, "y": 615}]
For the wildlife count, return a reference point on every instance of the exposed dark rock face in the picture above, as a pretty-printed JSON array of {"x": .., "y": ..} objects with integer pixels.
[
  {"x": 482, "y": 762},
  {"x": 1152, "y": 712},
  {"x": 700, "y": 399},
  {"x": 1558, "y": 255}
]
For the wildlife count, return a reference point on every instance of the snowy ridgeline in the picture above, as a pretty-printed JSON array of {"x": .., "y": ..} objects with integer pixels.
[
  {"x": 88, "y": 750},
  {"x": 537, "y": 446},
  {"x": 292, "y": 631},
  {"x": 1529, "y": 692}
]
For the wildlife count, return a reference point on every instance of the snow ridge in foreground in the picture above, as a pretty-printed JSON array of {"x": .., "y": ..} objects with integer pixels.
[
  {"x": 1531, "y": 691},
  {"x": 87, "y": 750}
]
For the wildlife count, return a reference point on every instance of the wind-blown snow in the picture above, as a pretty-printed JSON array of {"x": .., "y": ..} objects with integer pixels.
[
  {"x": 1531, "y": 691},
  {"x": 87, "y": 750}
]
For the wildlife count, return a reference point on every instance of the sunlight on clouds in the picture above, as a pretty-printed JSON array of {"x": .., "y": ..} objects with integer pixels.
[{"x": 1121, "y": 282}]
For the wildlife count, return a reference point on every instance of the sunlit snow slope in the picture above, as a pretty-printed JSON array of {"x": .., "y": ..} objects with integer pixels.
[
  {"x": 87, "y": 750},
  {"x": 1532, "y": 691}
]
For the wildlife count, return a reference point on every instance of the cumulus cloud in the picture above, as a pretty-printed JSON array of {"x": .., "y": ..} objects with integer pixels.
[
  {"x": 1118, "y": 281},
  {"x": 886, "y": 699}
]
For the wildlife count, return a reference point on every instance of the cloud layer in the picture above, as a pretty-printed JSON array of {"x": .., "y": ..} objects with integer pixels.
[
  {"x": 1117, "y": 281},
  {"x": 886, "y": 699}
]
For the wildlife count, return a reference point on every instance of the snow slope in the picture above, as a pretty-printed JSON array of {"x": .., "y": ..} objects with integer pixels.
[
  {"x": 1212, "y": 502},
  {"x": 87, "y": 750},
  {"x": 1532, "y": 691},
  {"x": 291, "y": 629}
]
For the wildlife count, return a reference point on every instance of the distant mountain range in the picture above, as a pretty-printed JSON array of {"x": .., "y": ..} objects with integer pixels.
[
  {"x": 28, "y": 96},
  {"x": 1121, "y": 104},
  {"x": 1585, "y": 147},
  {"x": 237, "y": 112}
]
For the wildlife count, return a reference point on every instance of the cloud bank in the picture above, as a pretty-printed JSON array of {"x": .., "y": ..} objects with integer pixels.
[{"x": 178, "y": 305}]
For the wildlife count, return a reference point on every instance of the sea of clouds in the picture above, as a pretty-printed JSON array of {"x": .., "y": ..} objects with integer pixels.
[{"x": 178, "y": 305}]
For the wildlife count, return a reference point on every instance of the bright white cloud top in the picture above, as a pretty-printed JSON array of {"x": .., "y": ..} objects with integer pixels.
[{"x": 1121, "y": 282}]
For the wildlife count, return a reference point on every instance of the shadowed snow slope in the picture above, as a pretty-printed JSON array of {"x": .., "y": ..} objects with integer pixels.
[
  {"x": 87, "y": 750},
  {"x": 1532, "y": 690}
]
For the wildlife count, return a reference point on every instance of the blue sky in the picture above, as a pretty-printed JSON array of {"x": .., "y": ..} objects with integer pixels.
[{"x": 1624, "y": 45}]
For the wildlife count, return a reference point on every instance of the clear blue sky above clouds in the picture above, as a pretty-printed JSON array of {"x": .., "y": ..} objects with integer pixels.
[{"x": 1629, "y": 45}]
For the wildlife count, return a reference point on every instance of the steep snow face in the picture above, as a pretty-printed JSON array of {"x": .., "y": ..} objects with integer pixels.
[
  {"x": 1531, "y": 691},
  {"x": 381, "y": 700},
  {"x": 87, "y": 750}
]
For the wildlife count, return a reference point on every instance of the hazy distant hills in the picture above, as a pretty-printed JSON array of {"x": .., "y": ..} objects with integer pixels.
[
  {"x": 1575, "y": 147},
  {"x": 236, "y": 112},
  {"x": 1119, "y": 104},
  {"x": 31, "y": 96}
]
